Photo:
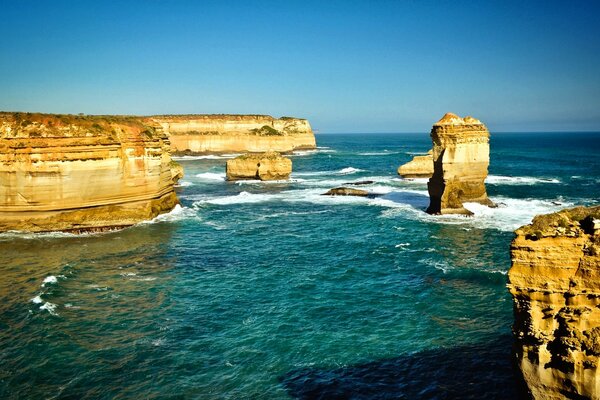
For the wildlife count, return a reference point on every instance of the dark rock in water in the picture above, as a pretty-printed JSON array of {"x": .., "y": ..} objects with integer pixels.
[
  {"x": 344, "y": 191},
  {"x": 557, "y": 203},
  {"x": 359, "y": 183}
]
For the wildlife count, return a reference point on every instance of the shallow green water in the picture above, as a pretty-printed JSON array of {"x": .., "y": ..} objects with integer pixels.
[{"x": 270, "y": 290}]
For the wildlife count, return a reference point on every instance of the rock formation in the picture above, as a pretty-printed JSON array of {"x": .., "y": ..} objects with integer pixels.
[
  {"x": 344, "y": 191},
  {"x": 264, "y": 166},
  {"x": 418, "y": 167},
  {"x": 461, "y": 156},
  {"x": 197, "y": 134},
  {"x": 555, "y": 283},
  {"x": 81, "y": 173}
]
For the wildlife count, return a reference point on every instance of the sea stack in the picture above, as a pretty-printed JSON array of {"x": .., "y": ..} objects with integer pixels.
[
  {"x": 263, "y": 166},
  {"x": 79, "y": 173},
  {"x": 418, "y": 167},
  {"x": 461, "y": 155},
  {"x": 555, "y": 283},
  {"x": 215, "y": 134}
]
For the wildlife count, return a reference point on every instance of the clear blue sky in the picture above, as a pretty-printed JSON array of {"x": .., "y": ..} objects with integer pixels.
[{"x": 347, "y": 66}]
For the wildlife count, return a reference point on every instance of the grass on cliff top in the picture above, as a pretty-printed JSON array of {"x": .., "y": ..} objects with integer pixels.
[
  {"x": 266, "y": 130},
  {"x": 40, "y": 125},
  {"x": 270, "y": 155},
  {"x": 548, "y": 223}
]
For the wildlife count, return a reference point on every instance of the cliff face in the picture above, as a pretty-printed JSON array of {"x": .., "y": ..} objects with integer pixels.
[
  {"x": 81, "y": 173},
  {"x": 555, "y": 283},
  {"x": 461, "y": 155},
  {"x": 418, "y": 167},
  {"x": 235, "y": 133},
  {"x": 264, "y": 166}
]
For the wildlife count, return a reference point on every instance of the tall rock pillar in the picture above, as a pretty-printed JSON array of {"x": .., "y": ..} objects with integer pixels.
[{"x": 461, "y": 155}]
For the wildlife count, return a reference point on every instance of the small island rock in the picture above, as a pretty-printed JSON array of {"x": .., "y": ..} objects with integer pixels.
[
  {"x": 263, "y": 166},
  {"x": 344, "y": 191}
]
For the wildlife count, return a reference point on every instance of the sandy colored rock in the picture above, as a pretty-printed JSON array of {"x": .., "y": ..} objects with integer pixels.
[
  {"x": 461, "y": 155},
  {"x": 555, "y": 283},
  {"x": 201, "y": 134},
  {"x": 418, "y": 167},
  {"x": 264, "y": 166},
  {"x": 344, "y": 191},
  {"x": 81, "y": 173}
]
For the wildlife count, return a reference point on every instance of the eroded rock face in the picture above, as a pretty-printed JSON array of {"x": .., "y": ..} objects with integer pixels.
[
  {"x": 461, "y": 155},
  {"x": 201, "y": 134},
  {"x": 81, "y": 173},
  {"x": 264, "y": 166},
  {"x": 555, "y": 283},
  {"x": 418, "y": 167}
]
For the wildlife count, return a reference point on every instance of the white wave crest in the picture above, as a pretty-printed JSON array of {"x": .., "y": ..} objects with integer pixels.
[
  {"x": 517, "y": 180},
  {"x": 178, "y": 213},
  {"x": 50, "y": 307},
  {"x": 49, "y": 279},
  {"x": 212, "y": 176},
  {"x": 349, "y": 170},
  {"x": 37, "y": 300},
  {"x": 184, "y": 184}
]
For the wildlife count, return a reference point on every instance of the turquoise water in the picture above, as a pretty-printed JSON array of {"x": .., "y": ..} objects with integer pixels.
[{"x": 270, "y": 290}]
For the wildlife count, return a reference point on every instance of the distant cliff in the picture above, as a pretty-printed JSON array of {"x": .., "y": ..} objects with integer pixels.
[
  {"x": 82, "y": 173},
  {"x": 197, "y": 134},
  {"x": 555, "y": 283}
]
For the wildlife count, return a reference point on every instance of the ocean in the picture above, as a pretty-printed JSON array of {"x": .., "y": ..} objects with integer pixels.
[{"x": 269, "y": 290}]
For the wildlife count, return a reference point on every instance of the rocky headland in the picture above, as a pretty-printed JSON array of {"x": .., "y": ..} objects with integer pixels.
[
  {"x": 418, "y": 167},
  {"x": 461, "y": 155},
  {"x": 555, "y": 283},
  {"x": 263, "y": 166},
  {"x": 82, "y": 173},
  {"x": 217, "y": 134}
]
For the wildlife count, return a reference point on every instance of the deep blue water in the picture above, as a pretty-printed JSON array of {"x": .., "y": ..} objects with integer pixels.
[{"x": 270, "y": 290}]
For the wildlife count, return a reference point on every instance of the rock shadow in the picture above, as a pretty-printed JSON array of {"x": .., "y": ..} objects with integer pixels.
[
  {"x": 480, "y": 371},
  {"x": 416, "y": 200}
]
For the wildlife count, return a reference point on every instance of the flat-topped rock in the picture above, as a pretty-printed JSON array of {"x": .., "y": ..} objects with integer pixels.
[
  {"x": 263, "y": 166},
  {"x": 555, "y": 283},
  {"x": 461, "y": 155},
  {"x": 344, "y": 191},
  {"x": 419, "y": 167}
]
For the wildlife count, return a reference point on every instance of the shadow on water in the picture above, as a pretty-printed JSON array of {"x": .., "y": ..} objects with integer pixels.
[
  {"x": 479, "y": 371},
  {"x": 416, "y": 200}
]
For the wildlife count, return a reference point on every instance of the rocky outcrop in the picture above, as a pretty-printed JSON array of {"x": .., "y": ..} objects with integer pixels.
[
  {"x": 201, "y": 134},
  {"x": 344, "y": 191},
  {"x": 461, "y": 155},
  {"x": 418, "y": 167},
  {"x": 81, "y": 173},
  {"x": 555, "y": 283},
  {"x": 264, "y": 166}
]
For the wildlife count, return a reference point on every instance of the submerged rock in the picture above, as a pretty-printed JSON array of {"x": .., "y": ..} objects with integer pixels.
[
  {"x": 418, "y": 167},
  {"x": 344, "y": 191},
  {"x": 555, "y": 283},
  {"x": 461, "y": 155},
  {"x": 359, "y": 183},
  {"x": 263, "y": 166}
]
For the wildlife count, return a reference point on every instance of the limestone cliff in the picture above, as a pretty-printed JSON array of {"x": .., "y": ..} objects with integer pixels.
[
  {"x": 264, "y": 166},
  {"x": 461, "y": 155},
  {"x": 555, "y": 283},
  {"x": 81, "y": 173},
  {"x": 197, "y": 134},
  {"x": 418, "y": 167}
]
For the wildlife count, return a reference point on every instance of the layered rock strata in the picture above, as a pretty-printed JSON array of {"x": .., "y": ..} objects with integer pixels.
[
  {"x": 461, "y": 155},
  {"x": 418, "y": 167},
  {"x": 201, "y": 134},
  {"x": 263, "y": 166},
  {"x": 81, "y": 173},
  {"x": 555, "y": 283}
]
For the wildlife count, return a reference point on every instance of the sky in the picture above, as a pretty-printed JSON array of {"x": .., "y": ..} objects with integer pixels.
[{"x": 347, "y": 66}]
